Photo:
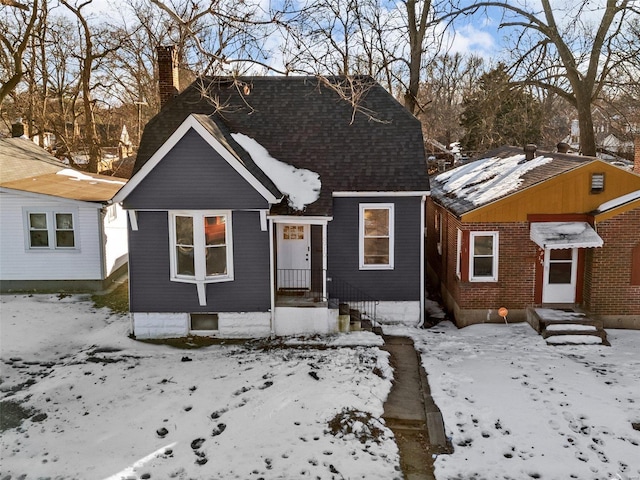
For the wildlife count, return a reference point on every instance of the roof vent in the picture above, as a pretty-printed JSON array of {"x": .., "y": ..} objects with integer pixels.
[{"x": 530, "y": 151}]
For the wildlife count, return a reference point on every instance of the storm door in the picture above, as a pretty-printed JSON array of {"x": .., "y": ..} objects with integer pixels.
[
  {"x": 293, "y": 256},
  {"x": 560, "y": 273}
]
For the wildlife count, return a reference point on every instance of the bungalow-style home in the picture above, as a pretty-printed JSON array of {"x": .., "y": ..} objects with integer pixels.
[
  {"x": 521, "y": 229},
  {"x": 59, "y": 230},
  {"x": 264, "y": 205}
]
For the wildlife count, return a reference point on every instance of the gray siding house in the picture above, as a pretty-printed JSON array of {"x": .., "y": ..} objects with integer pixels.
[{"x": 263, "y": 205}]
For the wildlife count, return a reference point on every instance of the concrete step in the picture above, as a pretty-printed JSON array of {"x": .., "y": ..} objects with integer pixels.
[
  {"x": 576, "y": 340},
  {"x": 582, "y": 320}
]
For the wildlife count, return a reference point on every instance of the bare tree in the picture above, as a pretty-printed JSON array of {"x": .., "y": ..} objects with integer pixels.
[
  {"x": 564, "y": 43},
  {"x": 222, "y": 36},
  {"x": 448, "y": 80},
  {"x": 417, "y": 23},
  {"x": 15, "y": 33},
  {"x": 89, "y": 57}
]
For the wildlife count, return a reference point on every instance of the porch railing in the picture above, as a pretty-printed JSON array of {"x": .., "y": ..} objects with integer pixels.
[
  {"x": 306, "y": 284},
  {"x": 300, "y": 282},
  {"x": 342, "y": 292}
]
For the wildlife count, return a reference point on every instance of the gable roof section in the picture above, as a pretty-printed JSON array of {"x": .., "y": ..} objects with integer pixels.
[
  {"x": 26, "y": 167},
  {"x": 221, "y": 141},
  {"x": 630, "y": 201},
  {"x": 21, "y": 158},
  {"x": 304, "y": 123},
  {"x": 503, "y": 172}
]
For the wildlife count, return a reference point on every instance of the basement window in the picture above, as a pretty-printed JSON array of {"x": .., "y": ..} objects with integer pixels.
[
  {"x": 204, "y": 321},
  {"x": 597, "y": 182}
]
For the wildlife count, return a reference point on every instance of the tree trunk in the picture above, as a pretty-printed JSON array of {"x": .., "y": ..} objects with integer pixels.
[
  {"x": 587, "y": 135},
  {"x": 417, "y": 30}
]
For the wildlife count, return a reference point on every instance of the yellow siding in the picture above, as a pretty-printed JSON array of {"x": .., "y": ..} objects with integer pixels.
[{"x": 567, "y": 193}]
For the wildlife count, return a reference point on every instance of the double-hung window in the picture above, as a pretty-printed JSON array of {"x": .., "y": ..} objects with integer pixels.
[
  {"x": 201, "y": 246},
  {"x": 376, "y": 236},
  {"x": 48, "y": 229},
  {"x": 483, "y": 256}
]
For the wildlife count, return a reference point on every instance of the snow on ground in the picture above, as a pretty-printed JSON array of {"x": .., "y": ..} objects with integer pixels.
[
  {"x": 116, "y": 408},
  {"x": 517, "y": 408},
  {"x": 514, "y": 407}
]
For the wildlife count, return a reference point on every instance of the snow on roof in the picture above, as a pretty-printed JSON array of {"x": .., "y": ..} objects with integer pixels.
[
  {"x": 616, "y": 202},
  {"x": 76, "y": 175},
  {"x": 302, "y": 186},
  {"x": 484, "y": 180},
  {"x": 557, "y": 235}
]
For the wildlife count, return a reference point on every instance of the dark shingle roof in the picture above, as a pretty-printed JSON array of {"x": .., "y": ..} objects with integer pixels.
[
  {"x": 510, "y": 173},
  {"x": 27, "y": 167},
  {"x": 304, "y": 123}
]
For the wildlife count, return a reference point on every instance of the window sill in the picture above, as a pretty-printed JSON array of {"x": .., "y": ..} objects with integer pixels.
[
  {"x": 376, "y": 267},
  {"x": 208, "y": 280},
  {"x": 483, "y": 280}
]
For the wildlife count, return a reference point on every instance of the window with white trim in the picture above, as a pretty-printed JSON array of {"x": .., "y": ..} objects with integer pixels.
[
  {"x": 459, "y": 253},
  {"x": 483, "y": 256},
  {"x": 376, "y": 236},
  {"x": 438, "y": 228},
  {"x": 48, "y": 229},
  {"x": 201, "y": 246}
]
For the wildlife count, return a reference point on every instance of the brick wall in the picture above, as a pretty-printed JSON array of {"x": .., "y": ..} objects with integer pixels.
[
  {"x": 608, "y": 289},
  {"x": 515, "y": 287}
]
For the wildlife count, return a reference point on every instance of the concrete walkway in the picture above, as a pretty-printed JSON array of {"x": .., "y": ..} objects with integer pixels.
[{"x": 411, "y": 413}]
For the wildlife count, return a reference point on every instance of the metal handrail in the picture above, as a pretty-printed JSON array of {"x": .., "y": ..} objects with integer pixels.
[
  {"x": 307, "y": 284},
  {"x": 344, "y": 292}
]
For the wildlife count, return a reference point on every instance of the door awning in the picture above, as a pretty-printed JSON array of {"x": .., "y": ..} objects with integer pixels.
[{"x": 556, "y": 235}]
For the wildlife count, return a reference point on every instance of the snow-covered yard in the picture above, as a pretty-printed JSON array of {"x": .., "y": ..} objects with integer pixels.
[{"x": 104, "y": 406}]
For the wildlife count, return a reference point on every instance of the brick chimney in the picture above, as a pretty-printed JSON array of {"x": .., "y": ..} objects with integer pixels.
[
  {"x": 636, "y": 153},
  {"x": 530, "y": 151},
  {"x": 168, "y": 81},
  {"x": 17, "y": 129}
]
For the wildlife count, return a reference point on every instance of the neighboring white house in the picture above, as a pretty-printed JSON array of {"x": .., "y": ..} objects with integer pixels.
[{"x": 59, "y": 230}]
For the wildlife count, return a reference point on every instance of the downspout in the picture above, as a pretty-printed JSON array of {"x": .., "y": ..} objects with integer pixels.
[
  {"x": 272, "y": 280},
  {"x": 422, "y": 222},
  {"x": 325, "y": 294},
  {"x": 103, "y": 246}
]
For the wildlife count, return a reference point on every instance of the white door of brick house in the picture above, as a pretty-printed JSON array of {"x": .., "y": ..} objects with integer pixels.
[
  {"x": 560, "y": 273},
  {"x": 294, "y": 256}
]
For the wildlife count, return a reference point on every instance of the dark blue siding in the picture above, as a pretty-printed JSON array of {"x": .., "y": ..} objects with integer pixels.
[
  {"x": 400, "y": 284},
  {"x": 194, "y": 176},
  {"x": 152, "y": 291}
]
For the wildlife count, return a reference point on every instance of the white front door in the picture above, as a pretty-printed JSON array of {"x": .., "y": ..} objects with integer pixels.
[
  {"x": 560, "y": 273},
  {"x": 294, "y": 256}
]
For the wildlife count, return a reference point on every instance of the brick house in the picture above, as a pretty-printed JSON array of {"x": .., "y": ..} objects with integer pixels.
[{"x": 520, "y": 229}]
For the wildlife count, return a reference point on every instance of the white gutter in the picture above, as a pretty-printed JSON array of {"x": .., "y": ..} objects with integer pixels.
[
  {"x": 382, "y": 194},
  {"x": 272, "y": 279},
  {"x": 422, "y": 223}
]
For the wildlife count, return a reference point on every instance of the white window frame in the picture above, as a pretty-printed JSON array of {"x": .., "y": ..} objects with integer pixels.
[
  {"x": 50, "y": 214},
  {"x": 438, "y": 227},
  {"x": 459, "y": 253},
  {"x": 496, "y": 237},
  {"x": 111, "y": 213},
  {"x": 200, "y": 276},
  {"x": 391, "y": 236}
]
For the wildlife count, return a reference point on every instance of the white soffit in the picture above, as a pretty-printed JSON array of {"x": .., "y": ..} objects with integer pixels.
[{"x": 556, "y": 235}]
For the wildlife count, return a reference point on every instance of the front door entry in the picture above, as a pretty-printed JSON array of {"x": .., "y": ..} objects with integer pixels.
[
  {"x": 294, "y": 256},
  {"x": 560, "y": 273}
]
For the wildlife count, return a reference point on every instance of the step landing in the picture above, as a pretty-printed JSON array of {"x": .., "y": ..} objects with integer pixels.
[{"x": 566, "y": 326}]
